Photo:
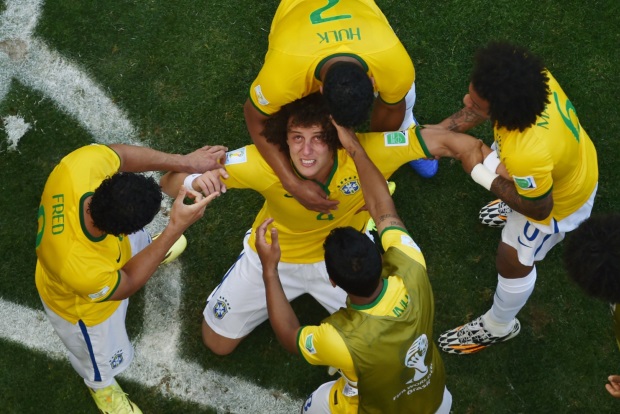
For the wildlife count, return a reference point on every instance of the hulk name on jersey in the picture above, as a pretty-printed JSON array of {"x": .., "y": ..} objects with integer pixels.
[{"x": 301, "y": 231}]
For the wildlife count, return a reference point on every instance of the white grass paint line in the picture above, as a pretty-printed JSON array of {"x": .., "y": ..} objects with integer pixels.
[
  {"x": 15, "y": 128},
  {"x": 157, "y": 364},
  {"x": 30, "y": 61}
]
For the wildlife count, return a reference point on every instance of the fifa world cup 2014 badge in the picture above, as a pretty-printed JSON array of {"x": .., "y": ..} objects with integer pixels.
[
  {"x": 117, "y": 359},
  {"x": 349, "y": 185},
  {"x": 220, "y": 309}
]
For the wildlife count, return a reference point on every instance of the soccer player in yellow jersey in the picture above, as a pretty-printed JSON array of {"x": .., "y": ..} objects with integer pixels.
[
  {"x": 92, "y": 253},
  {"x": 348, "y": 50},
  {"x": 302, "y": 131},
  {"x": 381, "y": 342},
  {"x": 548, "y": 176},
  {"x": 592, "y": 259}
]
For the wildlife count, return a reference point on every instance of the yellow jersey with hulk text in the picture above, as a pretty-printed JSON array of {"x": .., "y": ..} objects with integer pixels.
[
  {"x": 384, "y": 350},
  {"x": 306, "y": 33},
  {"x": 555, "y": 155},
  {"x": 76, "y": 273},
  {"x": 301, "y": 232}
]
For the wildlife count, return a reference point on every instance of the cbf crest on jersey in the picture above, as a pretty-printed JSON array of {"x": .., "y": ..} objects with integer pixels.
[
  {"x": 349, "y": 185},
  {"x": 221, "y": 307}
]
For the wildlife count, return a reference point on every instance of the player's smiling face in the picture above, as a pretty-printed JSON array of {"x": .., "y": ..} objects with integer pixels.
[{"x": 309, "y": 152}]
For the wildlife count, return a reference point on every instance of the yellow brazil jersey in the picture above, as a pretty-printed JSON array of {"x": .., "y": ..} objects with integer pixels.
[
  {"x": 305, "y": 33},
  {"x": 75, "y": 271},
  {"x": 301, "y": 232},
  {"x": 555, "y": 155},
  {"x": 323, "y": 345}
]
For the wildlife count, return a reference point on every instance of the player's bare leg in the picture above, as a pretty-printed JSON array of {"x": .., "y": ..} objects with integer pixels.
[{"x": 218, "y": 344}]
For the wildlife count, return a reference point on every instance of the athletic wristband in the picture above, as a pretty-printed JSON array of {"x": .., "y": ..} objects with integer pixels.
[
  {"x": 483, "y": 176},
  {"x": 492, "y": 161},
  {"x": 189, "y": 181}
]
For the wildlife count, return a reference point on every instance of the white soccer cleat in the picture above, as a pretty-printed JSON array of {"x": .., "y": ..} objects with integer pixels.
[{"x": 495, "y": 213}]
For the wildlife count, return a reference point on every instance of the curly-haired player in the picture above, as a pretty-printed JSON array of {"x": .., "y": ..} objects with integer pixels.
[
  {"x": 592, "y": 259},
  {"x": 347, "y": 50},
  {"x": 307, "y": 138},
  {"x": 548, "y": 176},
  {"x": 88, "y": 245}
]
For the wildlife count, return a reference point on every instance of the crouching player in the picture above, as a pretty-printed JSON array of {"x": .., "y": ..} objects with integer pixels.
[{"x": 381, "y": 342}]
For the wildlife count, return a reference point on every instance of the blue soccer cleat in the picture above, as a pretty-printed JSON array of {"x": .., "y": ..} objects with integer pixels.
[{"x": 425, "y": 167}]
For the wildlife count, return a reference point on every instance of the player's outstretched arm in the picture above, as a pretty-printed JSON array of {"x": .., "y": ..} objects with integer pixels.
[
  {"x": 140, "y": 159},
  {"x": 139, "y": 269},
  {"x": 443, "y": 143},
  {"x": 376, "y": 194},
  {"x": 207, "y": 183},
  {"x": 462, "y": 121},
  {"x": 281, "y": 315},
  {"x": 306, "y": 192}
]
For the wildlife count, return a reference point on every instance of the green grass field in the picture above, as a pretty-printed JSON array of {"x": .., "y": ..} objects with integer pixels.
[{"x": 180, "y": 71}]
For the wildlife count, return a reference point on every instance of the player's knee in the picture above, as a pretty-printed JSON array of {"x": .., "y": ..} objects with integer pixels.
[{"x": 217, "y": 344}]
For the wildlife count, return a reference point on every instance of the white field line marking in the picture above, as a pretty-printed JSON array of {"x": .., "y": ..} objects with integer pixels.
[{"x": 157, "y": 363}]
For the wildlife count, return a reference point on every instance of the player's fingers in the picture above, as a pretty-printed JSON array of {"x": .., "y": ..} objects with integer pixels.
[
  {"x": 274, "y": 237},
  {"x": 613, "y": 391},
  {"x": 262, "y": 229}
]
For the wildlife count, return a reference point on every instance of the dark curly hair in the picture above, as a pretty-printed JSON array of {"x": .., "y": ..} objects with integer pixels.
[
  {"x": 305, "y": 112},
  {"x": 348, "y": 93},
  {"x": 124, "y": 203},
  {"x": 513, "y": 81},
  {"x": 353, "y": 261},
  {"x": 592, "y": 256}
]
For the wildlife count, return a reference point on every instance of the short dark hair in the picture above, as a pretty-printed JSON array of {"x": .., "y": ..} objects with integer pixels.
[
  {"x": 124, "y": 203},
  {"x": 306, "y": 112},
  {"x": 513, "y": 81},
  {"x": 349, "y": 93},
  {"x": 592, "y": 256},
  {"x": 353, "y": 261}
]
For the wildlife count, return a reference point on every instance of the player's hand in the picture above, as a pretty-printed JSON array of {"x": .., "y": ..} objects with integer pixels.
[
  {"x": 346, "y": 135},
  {"x": 210, "y": 182},
  {"x": 310, "y": 195},
  {"x": 613, "y": 387},
  {"x": 184, "y": 215},
  {"x": 269, "y": 254},
  {"x": 473, "y": 156},
  {"x": 205, "y": 158}
]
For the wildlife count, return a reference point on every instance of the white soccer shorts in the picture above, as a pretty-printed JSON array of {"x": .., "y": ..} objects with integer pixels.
[
  {"x": 533, "y": 241},
  {"x": 238, "y": 304}
]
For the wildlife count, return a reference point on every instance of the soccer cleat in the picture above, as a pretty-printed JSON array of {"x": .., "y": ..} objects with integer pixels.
[
  {"x": 112, "y": 400},
  {"x": 175, "y": 251},
  {"x": 495, "y": 213},
  {"x": 472, "y": 337},
  {"x": 425, "y": 167}
]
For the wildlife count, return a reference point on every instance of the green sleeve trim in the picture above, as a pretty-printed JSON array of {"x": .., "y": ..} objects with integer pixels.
[
  {"x": 418, "y": 134},
  {"x": 404, "y": 230},
  {"x": 256, "y": 107},
  {"x": 301, "y": 328},
  {"x": 118, "y": 283},
  {"x": 120, "y": 161},
  {"x": 540, "y": 197}
]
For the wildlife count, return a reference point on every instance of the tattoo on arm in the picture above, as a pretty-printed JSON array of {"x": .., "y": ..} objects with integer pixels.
[
  {"x": 464, "y": 120},
  {"x": 536, "y": 209},
  {"x": 394, "y": 220}
]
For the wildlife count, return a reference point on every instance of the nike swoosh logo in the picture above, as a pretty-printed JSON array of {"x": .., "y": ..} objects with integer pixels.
[
  {"x": 288, "y": 195},
  {"x": 119, "y": 255}
]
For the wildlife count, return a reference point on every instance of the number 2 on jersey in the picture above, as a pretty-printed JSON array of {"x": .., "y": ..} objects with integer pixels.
[{"x": 317, "y": 18}]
